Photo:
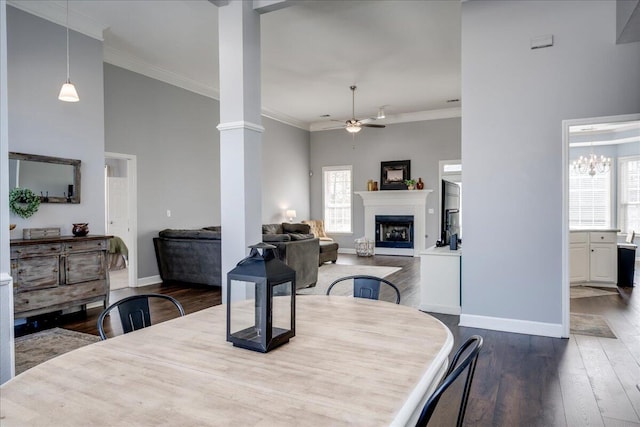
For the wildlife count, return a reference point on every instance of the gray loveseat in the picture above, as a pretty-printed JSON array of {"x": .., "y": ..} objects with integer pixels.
[{"x": 194, "y": 256}]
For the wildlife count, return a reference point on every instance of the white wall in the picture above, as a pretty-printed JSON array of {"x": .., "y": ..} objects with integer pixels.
[
  {"x": 514, "y": 101},
  {"x": 425, "y": 143},
  {"x": 285, "y": 171},
  {"x": 41, "y": 124},
  {"x": 173, "y": 134}
]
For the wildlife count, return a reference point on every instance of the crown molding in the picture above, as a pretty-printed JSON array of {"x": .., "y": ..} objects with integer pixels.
[
  {"x": 418, "y": 116},
  {"x": 55, "y": 12},
  {"x": 132, "y": 63},
  {"x": 283, "y": 118}
]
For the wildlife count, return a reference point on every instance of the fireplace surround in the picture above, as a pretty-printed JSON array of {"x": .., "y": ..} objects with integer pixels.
[{"x": 396, "y": 203}]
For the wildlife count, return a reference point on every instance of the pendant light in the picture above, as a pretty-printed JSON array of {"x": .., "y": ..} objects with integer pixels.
[{"x": 68, "y": 91}]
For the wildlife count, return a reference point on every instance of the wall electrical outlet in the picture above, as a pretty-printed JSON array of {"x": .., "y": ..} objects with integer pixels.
[
  {"x": 168, "y": 213},
  {"x": 431, "y": 211}
]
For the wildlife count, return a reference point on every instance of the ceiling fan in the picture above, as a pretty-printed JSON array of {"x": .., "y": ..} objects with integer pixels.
[{"x": 354, "y": 125}]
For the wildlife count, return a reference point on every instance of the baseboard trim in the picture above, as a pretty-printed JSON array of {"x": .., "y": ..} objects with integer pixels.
[
  {"x": 149, "y": 280},
  {"x": 527, "y": 327},
  {"x": 351, "y": 251},
  {"x": 442, "y": 309}
]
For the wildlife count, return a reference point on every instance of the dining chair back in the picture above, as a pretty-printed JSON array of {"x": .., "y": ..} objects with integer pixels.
[
  {"x": 134, "y": 312},
  {"x": 366, "y": 286},
  {"x": 470, "y": 349}
]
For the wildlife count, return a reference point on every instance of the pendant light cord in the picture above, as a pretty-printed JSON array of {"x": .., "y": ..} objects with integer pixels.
[{"x": 67, "y": 25}]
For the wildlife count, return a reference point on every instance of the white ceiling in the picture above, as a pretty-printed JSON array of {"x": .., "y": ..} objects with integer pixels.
[{"x": 404, "y": 55}]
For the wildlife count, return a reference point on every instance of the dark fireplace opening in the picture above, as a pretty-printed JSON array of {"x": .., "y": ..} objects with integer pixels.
[{"x": 394, "y": 231}]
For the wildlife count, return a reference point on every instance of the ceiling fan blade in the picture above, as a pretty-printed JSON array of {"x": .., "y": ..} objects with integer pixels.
[{"x": 371, "y": 125}]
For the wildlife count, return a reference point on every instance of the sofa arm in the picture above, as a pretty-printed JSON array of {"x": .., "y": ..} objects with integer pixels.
[{"x": 302, "y": 256}]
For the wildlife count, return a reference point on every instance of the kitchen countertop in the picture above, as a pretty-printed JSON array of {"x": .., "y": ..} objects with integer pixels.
[{"x": 600, "y": 230}]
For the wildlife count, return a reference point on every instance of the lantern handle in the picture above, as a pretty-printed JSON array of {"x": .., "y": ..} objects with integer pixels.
[
  {"x": 255, "y": 254},
  {"x": 262, "y": 245}
]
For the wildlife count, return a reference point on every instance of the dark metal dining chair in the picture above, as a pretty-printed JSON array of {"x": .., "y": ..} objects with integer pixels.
[
  {"x": 134, "y": 312},
  {"x": 472, "y": 348},
  {"x": 366, "y": 286}
]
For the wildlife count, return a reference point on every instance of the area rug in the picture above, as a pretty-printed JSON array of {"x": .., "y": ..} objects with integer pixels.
[
  {"x": 590, "y": 324},
  {"x": 33, "y": 349},
  {"x": 328, "y": 273},
  {"x": 586, "y": 292}
]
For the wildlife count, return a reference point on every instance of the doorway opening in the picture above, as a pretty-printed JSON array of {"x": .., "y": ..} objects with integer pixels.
[
  {"x": 601, "y": 205},
  {"x": 121, "y": 218}
]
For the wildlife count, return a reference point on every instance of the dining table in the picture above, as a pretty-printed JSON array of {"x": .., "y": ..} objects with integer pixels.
[{"x": 353, "y": 361}]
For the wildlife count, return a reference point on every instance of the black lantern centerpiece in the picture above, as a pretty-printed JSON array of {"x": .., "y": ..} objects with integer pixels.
[{"x": 261, "y": 301}]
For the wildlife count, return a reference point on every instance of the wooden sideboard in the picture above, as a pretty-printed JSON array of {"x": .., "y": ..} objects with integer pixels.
[{"x": 58, "y": 273}]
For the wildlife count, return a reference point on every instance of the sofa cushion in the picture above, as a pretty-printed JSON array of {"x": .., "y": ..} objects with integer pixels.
[
  {"x": 328, "y": 246},
  {"x": 275, "y": 238},
  {"x": 272, "y": 229},
  {"x": 300, "y": 236},
  {"x": 189, "y": 234},
  {"x": 296, "y": 228}
]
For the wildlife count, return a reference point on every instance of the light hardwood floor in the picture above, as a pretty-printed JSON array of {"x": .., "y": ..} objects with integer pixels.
[{"x": 521, "y": 380}]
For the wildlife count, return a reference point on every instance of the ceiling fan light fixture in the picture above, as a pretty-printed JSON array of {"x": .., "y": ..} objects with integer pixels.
[{"x": 353, "y": 128}]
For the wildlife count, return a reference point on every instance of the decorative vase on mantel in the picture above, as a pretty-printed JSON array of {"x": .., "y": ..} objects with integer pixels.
[
  {"x": 80, "y": 229},
  {"x": 420, "y": 184},
  {"x": 410, "y": 187}
]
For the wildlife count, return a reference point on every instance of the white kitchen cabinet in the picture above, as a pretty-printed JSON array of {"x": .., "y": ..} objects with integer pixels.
[
  {"x": 440, "y": 280},
  {"x": 593, "y": 256},
  {"x": 602, "y": 262},
  {"x": 579, "y": 256}
]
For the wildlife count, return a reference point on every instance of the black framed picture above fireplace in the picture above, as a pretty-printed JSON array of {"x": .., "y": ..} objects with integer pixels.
[{"x": 394, "y": 173}]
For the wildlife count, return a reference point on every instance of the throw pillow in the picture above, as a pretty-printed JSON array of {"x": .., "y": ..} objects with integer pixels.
[
  {"x": 272, "y": 229},
  {"x": 300, "y": 236},
  {"x": 295, "y": 228}
]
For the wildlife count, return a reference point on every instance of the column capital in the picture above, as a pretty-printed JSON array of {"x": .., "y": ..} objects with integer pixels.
[{"x": 240, "y": 125}]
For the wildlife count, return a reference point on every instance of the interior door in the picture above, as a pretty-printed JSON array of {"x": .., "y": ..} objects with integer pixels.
[{"x": 118, "y": 208}]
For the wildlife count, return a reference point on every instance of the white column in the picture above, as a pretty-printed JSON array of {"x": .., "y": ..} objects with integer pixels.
[
  {"x": 7, "y": 367},
  {"x": 240, "y": 133}
]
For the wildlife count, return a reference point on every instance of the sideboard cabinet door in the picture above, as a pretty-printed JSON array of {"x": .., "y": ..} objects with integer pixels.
[{"x": 84, "y": 266}]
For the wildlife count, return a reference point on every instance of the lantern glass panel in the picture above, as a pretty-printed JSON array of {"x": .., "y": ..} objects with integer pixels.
[
  {"x": 244, "y": 311},
  {"x": 281, "y": 308}
]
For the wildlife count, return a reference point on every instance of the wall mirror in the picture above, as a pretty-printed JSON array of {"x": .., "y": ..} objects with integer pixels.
[{"x": 54, "y": 179}]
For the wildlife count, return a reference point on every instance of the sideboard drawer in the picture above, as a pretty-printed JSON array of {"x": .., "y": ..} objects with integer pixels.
[
  {"x": 36, "y": 250},
  {"x": 86, "y": 245}
]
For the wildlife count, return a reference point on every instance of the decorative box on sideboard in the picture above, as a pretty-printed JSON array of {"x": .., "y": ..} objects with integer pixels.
[{"x": 58, "y": 273}]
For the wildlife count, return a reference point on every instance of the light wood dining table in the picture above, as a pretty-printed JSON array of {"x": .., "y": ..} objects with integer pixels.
[{"x": 353, "y": 361}]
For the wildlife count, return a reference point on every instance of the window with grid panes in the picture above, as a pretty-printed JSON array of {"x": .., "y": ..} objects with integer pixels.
[
  {"x": 337, "y": 195},
  {"x": 589, "y": 200},
  {"x": 629, "y": 194}
]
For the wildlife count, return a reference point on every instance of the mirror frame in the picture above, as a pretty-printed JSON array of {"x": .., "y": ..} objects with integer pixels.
[{"x": 75, "y": 199}]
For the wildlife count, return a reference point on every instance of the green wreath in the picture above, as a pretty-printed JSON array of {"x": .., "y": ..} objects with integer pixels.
[{"x": 23, "y": 202}]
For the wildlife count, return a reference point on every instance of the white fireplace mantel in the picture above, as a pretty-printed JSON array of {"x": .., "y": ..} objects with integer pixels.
[{"x": 396, "y": 202}]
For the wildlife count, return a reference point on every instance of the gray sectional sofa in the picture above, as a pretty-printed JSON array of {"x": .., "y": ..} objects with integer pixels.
[{"x": 194, "y": 256}]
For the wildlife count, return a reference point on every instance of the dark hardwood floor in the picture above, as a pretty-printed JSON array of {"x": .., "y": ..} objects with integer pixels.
[{"x": 521, "y": 380}]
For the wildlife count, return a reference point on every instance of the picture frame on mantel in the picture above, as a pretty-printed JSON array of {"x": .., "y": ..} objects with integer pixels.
[{"x": 394, "y": 173}]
